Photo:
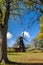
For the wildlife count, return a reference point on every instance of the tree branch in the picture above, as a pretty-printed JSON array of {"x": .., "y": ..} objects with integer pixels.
[{"x": 7, "y": 12}]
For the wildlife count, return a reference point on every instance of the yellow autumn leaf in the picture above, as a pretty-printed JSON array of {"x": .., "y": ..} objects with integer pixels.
[{"x": 1, "y": 1}]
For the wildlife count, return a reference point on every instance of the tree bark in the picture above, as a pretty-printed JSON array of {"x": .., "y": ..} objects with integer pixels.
[
  {"x": 3, "y": 30},
  {"x": 0, "y": 44},
  {"x": 4, "y": 44}
]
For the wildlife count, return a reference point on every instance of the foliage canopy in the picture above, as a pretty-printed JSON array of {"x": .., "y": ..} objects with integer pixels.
[{"x": 20, "y": 7}]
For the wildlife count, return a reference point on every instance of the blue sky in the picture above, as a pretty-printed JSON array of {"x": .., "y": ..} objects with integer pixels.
[{"x": 15, "y": 28}]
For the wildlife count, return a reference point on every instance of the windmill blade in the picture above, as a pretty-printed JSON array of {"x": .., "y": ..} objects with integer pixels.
[{"x": 25, "y": 39}]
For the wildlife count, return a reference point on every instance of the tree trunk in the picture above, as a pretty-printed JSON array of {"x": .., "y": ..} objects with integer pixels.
[
  {"x": 4, "y": 32},
  {"x": 0, "y": 45},
  {"x": 4, "y": 43}
]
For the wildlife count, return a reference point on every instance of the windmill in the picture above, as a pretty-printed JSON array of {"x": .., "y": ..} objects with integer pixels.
[{"x": 20, "y": 46}]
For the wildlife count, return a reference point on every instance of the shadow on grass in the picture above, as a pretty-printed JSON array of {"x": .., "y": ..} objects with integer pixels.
[
  {"x": 13, "y": 54},
  {"x": 15, "y": 63},
  {"x": 24, "y": 64}
]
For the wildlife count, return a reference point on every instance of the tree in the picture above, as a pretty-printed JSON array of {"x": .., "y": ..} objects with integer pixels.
[
  {"x": 10, "y": 6},
  {"x": 3, "y": 30},
  {"x": 13, "y": 7}
]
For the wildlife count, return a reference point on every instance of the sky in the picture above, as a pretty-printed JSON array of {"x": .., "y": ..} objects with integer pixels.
[{"x": 16, "y": 28}]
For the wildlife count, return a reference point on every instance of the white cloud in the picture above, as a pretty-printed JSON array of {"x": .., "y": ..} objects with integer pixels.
[
  {"x": 26, "y": 34},
  {"x": 9, "y": 35},
  {"x": 12, "y": 41}
]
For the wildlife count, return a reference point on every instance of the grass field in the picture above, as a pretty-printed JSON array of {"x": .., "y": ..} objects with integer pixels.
[{"x": 27, "y": 57}]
